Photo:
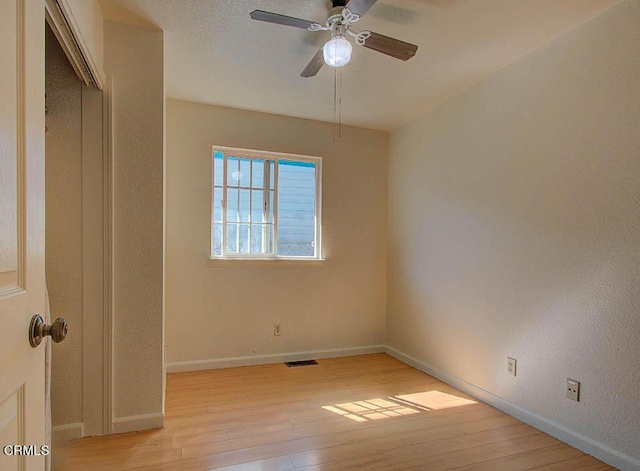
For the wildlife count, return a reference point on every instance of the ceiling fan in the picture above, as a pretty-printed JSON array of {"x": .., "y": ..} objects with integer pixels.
[{"x": 337, "y": 51}]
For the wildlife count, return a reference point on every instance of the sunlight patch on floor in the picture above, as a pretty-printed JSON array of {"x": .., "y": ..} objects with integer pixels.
[
  {"x": 435, "y": 400},
  {"x": 397, "y": 406}
]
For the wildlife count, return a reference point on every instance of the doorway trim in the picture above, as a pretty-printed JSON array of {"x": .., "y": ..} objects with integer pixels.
[
  {"x": 108, "y": 238},
  {"x": 97, "y": 292}
]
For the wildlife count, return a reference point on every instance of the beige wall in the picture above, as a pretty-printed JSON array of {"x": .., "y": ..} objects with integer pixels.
[
  {"x": 134, "y": 65},
  {"x": 64, "y": 228},
  {"x": 228, "y": 310},
  {"x": 514, "y": 211}
]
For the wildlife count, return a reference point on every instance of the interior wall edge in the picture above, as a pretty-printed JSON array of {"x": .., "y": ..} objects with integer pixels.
[
  {"x": 217, "y": 363},
  {"x": 137, "y": 422},
  {"x": 592, "y": 447},
  {"x": 61, "y": 434}
]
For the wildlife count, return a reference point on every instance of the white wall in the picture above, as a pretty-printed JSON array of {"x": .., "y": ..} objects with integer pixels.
[
  {"x": 514, "y": 211},
  {"x": 228, "y": 310},
  {"x": 134, "y": 64},
  {"x": 64, "y": 228}
]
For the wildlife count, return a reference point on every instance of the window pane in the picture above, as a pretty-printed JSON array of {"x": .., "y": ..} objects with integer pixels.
[
  {"x": 257, "y": 234},
  {"x": 233, "y": 171},
  {"x": 250, "y": 212},
  {"x": 217, "y": 204},
  {"x": 244, "y": 205},
  {"x": 232, "y": 205},
  {"x": 296, "y": 209},
  {"x": 232, "y": 238},
  {"x": 244, "y": 238},
  {"x": 257, "y": 178},
  {"x": 218, "y": 168},
  {"x": 217, "y": 239},
  {"x": 245, "y": 173},
  {"x": 257, "y": 205}
]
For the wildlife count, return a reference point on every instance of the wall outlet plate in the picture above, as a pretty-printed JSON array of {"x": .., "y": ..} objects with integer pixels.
[
  {"x": 573, "y": 389},
  {"x": 277, "y": 330},
  {"x": 511, "y": 366}
]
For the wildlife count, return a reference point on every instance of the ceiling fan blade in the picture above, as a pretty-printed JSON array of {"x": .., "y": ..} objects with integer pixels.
[
  {"x": 360, "y": 7},
  {"x": 278, "y": 19},
  {"x": 314, "y": 66},
  {"x": 390, "y": 46}
]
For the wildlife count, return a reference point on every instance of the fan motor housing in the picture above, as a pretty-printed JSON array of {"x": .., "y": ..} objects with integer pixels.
[
  {"x": 335, "y": 15},
  {"x": 339, "y": 3}
]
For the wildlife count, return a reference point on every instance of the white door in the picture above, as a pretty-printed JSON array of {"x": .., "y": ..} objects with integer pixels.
[{"x": 22, "y": 411}]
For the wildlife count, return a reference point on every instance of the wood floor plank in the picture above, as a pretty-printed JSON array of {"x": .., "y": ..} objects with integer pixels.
[
  {"x": 526, "y": 461},
  {"x": 580, "y": 463},
  {"x": 397, "y": 449},
  {"x": 279, "y": 463},
  {"x": 369, "y": 412}
]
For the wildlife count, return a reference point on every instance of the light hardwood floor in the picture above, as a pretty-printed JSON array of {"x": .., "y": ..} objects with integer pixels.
[{"x": 358, "y": 413}]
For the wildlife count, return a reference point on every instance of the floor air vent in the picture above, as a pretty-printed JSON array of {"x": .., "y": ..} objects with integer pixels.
[{"x": 291, "y": 364}]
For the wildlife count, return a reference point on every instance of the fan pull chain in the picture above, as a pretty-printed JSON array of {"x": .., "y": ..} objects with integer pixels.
[
  {"x": 337, "y": 104},
  {"x": 340, "y": 103},
  {"x": 335, "y": 101}
]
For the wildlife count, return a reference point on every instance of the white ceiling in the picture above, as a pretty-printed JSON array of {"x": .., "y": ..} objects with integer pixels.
[{"x": 216, "y": 54}]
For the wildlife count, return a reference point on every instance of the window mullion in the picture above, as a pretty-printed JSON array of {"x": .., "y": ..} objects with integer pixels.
[
  {"x": 238, "y": 220},
  {"x": 250, "y": 204},
  {"x": 275, "y": 208},
  {"x": 224, "y": 205},
  {"x": 265, "y": 199},
  {"x": 318, "y": 207}
]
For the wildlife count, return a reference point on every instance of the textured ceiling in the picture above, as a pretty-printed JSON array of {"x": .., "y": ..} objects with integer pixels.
[{"x": 216, "y": 54}]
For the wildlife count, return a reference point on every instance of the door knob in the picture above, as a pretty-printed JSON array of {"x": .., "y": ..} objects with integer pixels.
[{"x": 38, "y": 330}]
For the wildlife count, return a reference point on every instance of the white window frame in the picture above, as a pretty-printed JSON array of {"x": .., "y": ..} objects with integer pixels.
[{"x": 267, "y": 156}]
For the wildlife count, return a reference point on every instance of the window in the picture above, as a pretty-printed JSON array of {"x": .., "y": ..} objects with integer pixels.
[{"x": 265, "y": 205}]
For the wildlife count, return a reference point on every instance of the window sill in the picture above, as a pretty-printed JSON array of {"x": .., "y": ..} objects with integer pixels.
[{"x": 219, "y": 262}]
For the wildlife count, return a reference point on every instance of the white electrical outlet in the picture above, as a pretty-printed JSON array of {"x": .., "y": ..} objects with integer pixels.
[
  {"x": 573, "y": 389},
  {"x": 511, "y": 366},
  {"x": 277, "y": 331}
]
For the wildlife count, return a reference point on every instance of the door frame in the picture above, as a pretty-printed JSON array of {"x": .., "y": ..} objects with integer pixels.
[{"x": 97, "y": 315}]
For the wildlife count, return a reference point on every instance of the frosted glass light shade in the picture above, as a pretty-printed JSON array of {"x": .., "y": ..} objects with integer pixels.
[{"x": 337, "y": 52}]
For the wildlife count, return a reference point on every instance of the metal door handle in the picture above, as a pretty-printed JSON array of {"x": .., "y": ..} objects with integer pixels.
[{"x": 38, "y": 330}]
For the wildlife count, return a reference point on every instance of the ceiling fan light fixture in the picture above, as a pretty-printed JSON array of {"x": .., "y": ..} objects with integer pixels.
[{"x": 337, "y": 51}]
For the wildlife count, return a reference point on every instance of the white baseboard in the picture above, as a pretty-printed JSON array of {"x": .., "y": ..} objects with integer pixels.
[
  {"x": 598, "y": 450},
  {"x": 61, "y": 434},
  {"x": 196, "y": 365},
  {"x": 137, "y": 422}
]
